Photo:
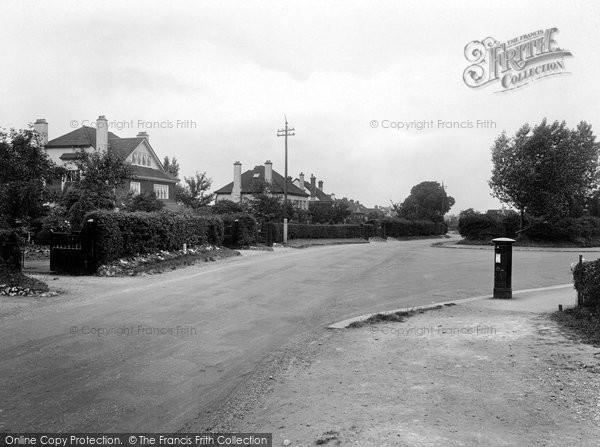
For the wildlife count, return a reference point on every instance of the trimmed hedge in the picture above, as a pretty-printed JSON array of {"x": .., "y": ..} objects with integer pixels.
[
  {"x": 243, "y": 227},
  {"x": 10, "y": 252},
  {"x": 586, "y": 278},
  {"x": 121, "y": 234},
  {"x": 306, "y": 231},
  {"x": 478, "y": 226},
  {"x": 572, "y": 229},
  {"x": 398, "y": 227}
]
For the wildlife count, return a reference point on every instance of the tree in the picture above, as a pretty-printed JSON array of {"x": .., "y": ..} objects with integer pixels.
[
  {"x": 143, "y": 202},
  {"x": 227, "y": 207},
  {"x": 171, "y": 166},
  {"x": 428, "y": 201},
  {"x": 25, "y": 171},
  {"x": 193, "y": 193},
  {"x": 547, "y": 171},
  {"x": 102, "y": 174}
]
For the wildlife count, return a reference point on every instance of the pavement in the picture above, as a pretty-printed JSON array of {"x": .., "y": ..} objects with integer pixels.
[{"x": 483, "y": 372}]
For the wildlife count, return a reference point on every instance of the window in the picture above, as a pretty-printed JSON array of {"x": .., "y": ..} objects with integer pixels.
[
  {"x": 161, "y": 191},
  {"x": 72, "y": 175},
  {"x": 134, "y": 187}
]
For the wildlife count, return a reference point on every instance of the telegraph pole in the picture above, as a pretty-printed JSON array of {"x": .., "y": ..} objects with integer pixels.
[{"x": 285, "y": 132}]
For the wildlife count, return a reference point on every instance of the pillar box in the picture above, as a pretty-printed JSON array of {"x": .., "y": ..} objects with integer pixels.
[{"x": 503, "y": 267}]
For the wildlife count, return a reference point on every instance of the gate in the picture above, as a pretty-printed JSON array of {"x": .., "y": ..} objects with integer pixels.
[{"x": 72, "y": 253}]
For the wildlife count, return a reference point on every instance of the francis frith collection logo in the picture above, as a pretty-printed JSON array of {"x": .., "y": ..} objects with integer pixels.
[{"x": 516, "y": 62}]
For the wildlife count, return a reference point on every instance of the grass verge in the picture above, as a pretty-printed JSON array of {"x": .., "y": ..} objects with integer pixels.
[
  {"x": 396, "y": 317},
  {"x": 582, "y": 322}
]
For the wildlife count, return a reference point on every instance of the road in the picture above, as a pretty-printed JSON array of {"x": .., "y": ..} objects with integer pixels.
[{"x": 225, "y": 318}]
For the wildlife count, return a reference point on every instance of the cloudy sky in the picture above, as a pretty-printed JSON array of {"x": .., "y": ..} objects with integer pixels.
[{"x": 233, "y": 69}]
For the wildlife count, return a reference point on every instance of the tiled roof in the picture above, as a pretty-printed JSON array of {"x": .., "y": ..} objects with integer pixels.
[
  {"x": 146, "y": 172},
  {"x": 318, "y": 193},
  {"x": 258, "y": 173},
  {"x": 124, "y": 146},
  {"x": 83, "y": 137}
]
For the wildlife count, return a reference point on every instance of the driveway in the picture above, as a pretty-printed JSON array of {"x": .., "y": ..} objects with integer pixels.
[{"x": 159, "y": 353}]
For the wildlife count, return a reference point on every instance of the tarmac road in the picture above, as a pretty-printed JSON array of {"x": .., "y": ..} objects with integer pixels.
[{"x": 154, "y": 353}]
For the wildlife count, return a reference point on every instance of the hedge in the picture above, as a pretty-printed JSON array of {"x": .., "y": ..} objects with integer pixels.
[
  {"x": 398, "y": 227},
  {"x": 586, "y": 278},
  {"x": 478, "y": 226},
  {"x": 243, "y": 229},
  {"x": 571, "y": 229},
  {"x": 10, "y": 252},
  {"x": 121, "y": 234},
  {"x": 306, "y": 231}
]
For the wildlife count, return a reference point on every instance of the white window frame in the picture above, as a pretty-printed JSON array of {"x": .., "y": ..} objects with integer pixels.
[
  {"x": 135, "y": 188},
  {"x": 161, "y": 191}
]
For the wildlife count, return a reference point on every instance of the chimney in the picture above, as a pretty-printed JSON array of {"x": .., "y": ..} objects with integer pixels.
[
  {"x": 144, "y": 135},
  {"x": 236, "y": 192},
  {"x": 313, "y": 192},
  {"x": 321, "y": 185},
  {"x": 301, "y": 181},
  {"x": 101, "y": 133},
  {"x": 269, "y": 172},
  {"x": 41, "y": 128}
]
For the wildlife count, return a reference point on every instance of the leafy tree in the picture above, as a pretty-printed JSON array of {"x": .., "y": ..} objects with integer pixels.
[
  {"x": 143, "y": 202},
  {"x": 547, "y": 171},
  {"x": 102, "y": 174},
  {"x": 427, "y": 200},
  {"x": 171, "y": 166},
  {"x": 263, "y": 205},
  {"x": 194, "y": 193},
  {"x": 227, "y": 207},
  {"x": 25, "y": 170}
]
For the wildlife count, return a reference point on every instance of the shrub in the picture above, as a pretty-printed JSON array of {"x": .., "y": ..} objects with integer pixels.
[
  {"x": 227, "y": 207},
  {"x": 10, "y": 252},
  {"x": 568, "y": 229},
  {"x": 244, "y": 229},
  {"x": 586, "y": 278},
  {"x": 143, "y": 202},
  {"x": 121, "y": 234}
]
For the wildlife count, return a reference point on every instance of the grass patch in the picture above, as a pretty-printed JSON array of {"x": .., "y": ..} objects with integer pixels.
[
  {"x": 18, "y": 279},
  {"x": 395, "y": 317},
  {"x": 582, "y": 322}
]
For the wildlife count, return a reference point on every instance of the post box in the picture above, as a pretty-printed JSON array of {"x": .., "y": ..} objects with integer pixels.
[{"x": 503, "y": 267}]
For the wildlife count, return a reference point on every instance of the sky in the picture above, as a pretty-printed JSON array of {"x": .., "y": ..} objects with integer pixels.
[{"x": 211, "y": 81}]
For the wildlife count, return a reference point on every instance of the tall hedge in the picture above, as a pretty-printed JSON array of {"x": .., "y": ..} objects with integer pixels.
[
  {"x": 478, "y": 226},
  {"x": 398, "y": 227},
  {"x": 121, "y": 234},
  {"x": 306, "y": 231},
  {"x": 586, "y": 278},
  {"x": 243, "y": 228}
]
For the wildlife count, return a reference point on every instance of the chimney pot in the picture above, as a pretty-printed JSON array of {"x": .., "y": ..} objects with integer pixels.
[
  {"x": 321, "y": 185},
  {"x": 313, "y": 187},
  {"x": 144, "y": 135}
]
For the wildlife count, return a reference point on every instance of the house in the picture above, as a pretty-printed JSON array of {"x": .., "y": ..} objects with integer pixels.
[
  {"x": 243, "y": 186},
  {"x": 148, "y": 172},
  {"x": 358, "y": 212},
  {"x": 316, "y": 194}
]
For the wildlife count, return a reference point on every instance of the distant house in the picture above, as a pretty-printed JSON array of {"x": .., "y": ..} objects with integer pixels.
[
  {"x": 243, "y": 186},
  {"x": 358, "y": 212},
  {"x": 148, "y": 172},
  {"x": 316, "y": 194}
]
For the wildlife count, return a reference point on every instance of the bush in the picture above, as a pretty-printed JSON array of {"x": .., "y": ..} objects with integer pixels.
[
  {"x": 226, "y": 207},
  {"x": 400, "y": 227},
  {"x": 586, "y": 278},
  {"x": 478, "y": 226},
  {"x": 120, "y": 234},
  {"x": 143, "y": 202},
  {"x": 244, "y": 229},
  {"x": 568, "y": 229},
  {"x": 10, "y": 252}
]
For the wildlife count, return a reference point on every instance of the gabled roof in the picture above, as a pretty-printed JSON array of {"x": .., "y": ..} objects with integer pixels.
[
  {"x": 124, "y": 146},
  {"x": 83, "y": 137},
  {"x": 258, "y": 174},
  {"x": 318, "y": 193}
]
